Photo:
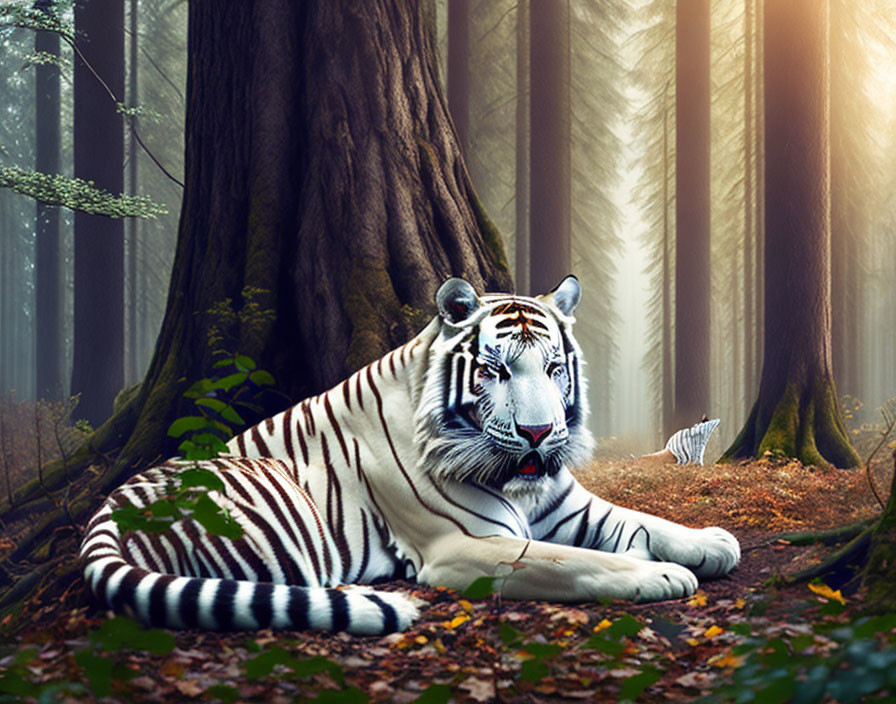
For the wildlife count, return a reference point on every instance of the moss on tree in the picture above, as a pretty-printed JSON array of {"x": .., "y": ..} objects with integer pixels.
[{"x": 804, "y": 422}]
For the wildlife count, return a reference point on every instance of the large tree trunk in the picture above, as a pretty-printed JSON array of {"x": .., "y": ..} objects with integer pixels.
[
  {"x": 797, "y": 413},
  {"x": 692, "y": 176},
  {"x": 459, "y": 70},
  {"x": 521, "y": 185},
  {"x": 549, "y": 168},
  {"x": 98, "y": 356},
  {"x": 48, "y": 275},
  {"x": 324, "y": 182}
]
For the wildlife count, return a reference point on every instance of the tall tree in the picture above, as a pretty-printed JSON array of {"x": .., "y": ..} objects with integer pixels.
[
  {"x": 133, "y": 171},
  {"x": 653, "y": 123},
  {"x": 521, "y": 180},
  {"x": 459, "y": 70},
  {"x": 48, "y": 273},
  {"x": 98, "y": 357},
  {"x": 597, "y": 106},
  {"x": 797, "y": 412},
  {"x": 325, "y": 185},
  {"x": 549, "y": 124},
  {"x": 692, "y": 216}
]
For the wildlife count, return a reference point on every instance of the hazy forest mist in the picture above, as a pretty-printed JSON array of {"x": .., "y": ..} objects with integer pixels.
[{"x": 619, "y": 113}]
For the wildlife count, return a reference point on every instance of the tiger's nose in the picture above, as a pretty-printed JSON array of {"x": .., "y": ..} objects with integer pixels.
[{"x": 533, "y": 433}]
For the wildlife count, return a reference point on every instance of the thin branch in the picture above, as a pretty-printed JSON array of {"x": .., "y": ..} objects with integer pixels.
[{"x": 117, "y": 101}]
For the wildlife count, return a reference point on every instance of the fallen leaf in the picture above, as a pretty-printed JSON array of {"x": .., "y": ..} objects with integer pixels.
[
  {"x": 726, "y": 660},
  {"x": 713, "y": 631},
  {"x": 606, "y": 623},
  {"x": 698, "y": 600},
  {"x": 825, "y": 591},
  {"x": 479, "y": 690}
]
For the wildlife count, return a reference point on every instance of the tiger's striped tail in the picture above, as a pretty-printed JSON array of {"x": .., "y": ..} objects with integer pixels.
[
  {"x": 170, "y": 601},
  {"x": 689, "y": 444}
]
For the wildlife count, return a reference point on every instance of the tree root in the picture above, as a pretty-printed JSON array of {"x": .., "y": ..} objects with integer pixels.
[
  {"x": 843, "y": 566},
  {"x": 833, "y": 536}
]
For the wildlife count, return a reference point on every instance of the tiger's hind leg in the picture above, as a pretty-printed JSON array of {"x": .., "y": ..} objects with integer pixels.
[{"x": 279, "y": 573}]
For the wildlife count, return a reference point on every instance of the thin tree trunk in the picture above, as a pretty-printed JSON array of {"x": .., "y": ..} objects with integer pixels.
[
  {"x": 459, "y": 70},
  {"x": 133, "y": 223},
  {"x": 668, "y": 409},
  {"x": 48, "y": 275},
  {"x": 749, "y": 373},
  {"x": 550, "y": 164},
  {"x": 692, "y": 225},
  {"x": 797, "y": 413},
  {"x": 98, "y": 359},
  {"x": 522, "y": 148}
]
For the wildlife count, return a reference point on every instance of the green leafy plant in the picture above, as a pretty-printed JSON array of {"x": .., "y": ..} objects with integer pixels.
[
  {"x": 205, "y": 435},
  {"x": 845, "y": 662},
  {"x": 100, "y": 668}
]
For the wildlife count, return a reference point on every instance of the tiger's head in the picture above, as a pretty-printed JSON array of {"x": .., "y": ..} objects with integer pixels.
[{"x": 504, "y": 400}]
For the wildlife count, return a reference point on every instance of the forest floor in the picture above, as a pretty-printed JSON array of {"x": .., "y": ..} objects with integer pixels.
[{"x": 753, "y": 631}]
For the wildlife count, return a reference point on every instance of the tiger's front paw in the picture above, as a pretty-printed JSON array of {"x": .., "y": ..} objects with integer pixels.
[
  {"x": 707, "y": 552},
  {"x": 721, "y": 552},
  {"x": 659, "y": 581}
]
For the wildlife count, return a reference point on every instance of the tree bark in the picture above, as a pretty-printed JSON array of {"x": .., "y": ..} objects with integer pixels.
[
  {"x": 692, "y": 217},
  {"x": 459, "y": 70},
  {"x": 521, "y": 187},
  {"x": 550, "y": 165},
  {"x": 749, "y": 276},
  {"x": 326, "y": 200},
  {"x": 797, "y": 413},
  {"x": 48, "y": 275},
  {"x": 133, "y": 164},
  {"x": 98, "y": 356}
]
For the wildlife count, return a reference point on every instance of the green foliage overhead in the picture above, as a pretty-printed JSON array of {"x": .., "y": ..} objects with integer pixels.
[
  {"x": 77, "y": 194},
  {"x": 22, "y": 13},
  {"x": 41, "y": 58}
]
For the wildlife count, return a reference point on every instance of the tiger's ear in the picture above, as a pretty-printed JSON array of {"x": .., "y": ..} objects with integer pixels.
[
  {"x": 456, "y": 300},
  {"x": 566, "y": 295}
]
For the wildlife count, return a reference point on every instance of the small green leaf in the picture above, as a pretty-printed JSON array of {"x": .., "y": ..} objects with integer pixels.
[
  {"x": 262, "y": 665},
  {"x": 223, "y": 693},
  {"x": 480, "y": 588},
  {"x": 216, "y": 404},
  {"x": 199, "y": 389},
  {"x": 244, "y": 363},
  {"x": 533, "y": 670},
  {"x": 157, "y": 641},
  {"x": 261, "y": 378},
  {"x": 508, "y": 634},
  {"x": 542, "y": 650},
  {"x": 186, "y": 423},
  {"x": 163, "y": 509},
  {"x": 434, "y": 694},
  {"x": 197, "y": 476},
  {"x": 632, "y": 687},
  {"x": 211, "y": 517},
  {"x": 625, "y": 625},
  {"x": 312, "y": 666},
  {"x": 100, "y": 672},
  {"x": 602, "y": 644},
  {"x": 223, "y": 363},
  {"x": 228, "y": 382}
]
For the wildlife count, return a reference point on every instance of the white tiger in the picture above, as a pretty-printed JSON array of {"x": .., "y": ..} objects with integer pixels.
[{"x": 446, "y": 460}]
